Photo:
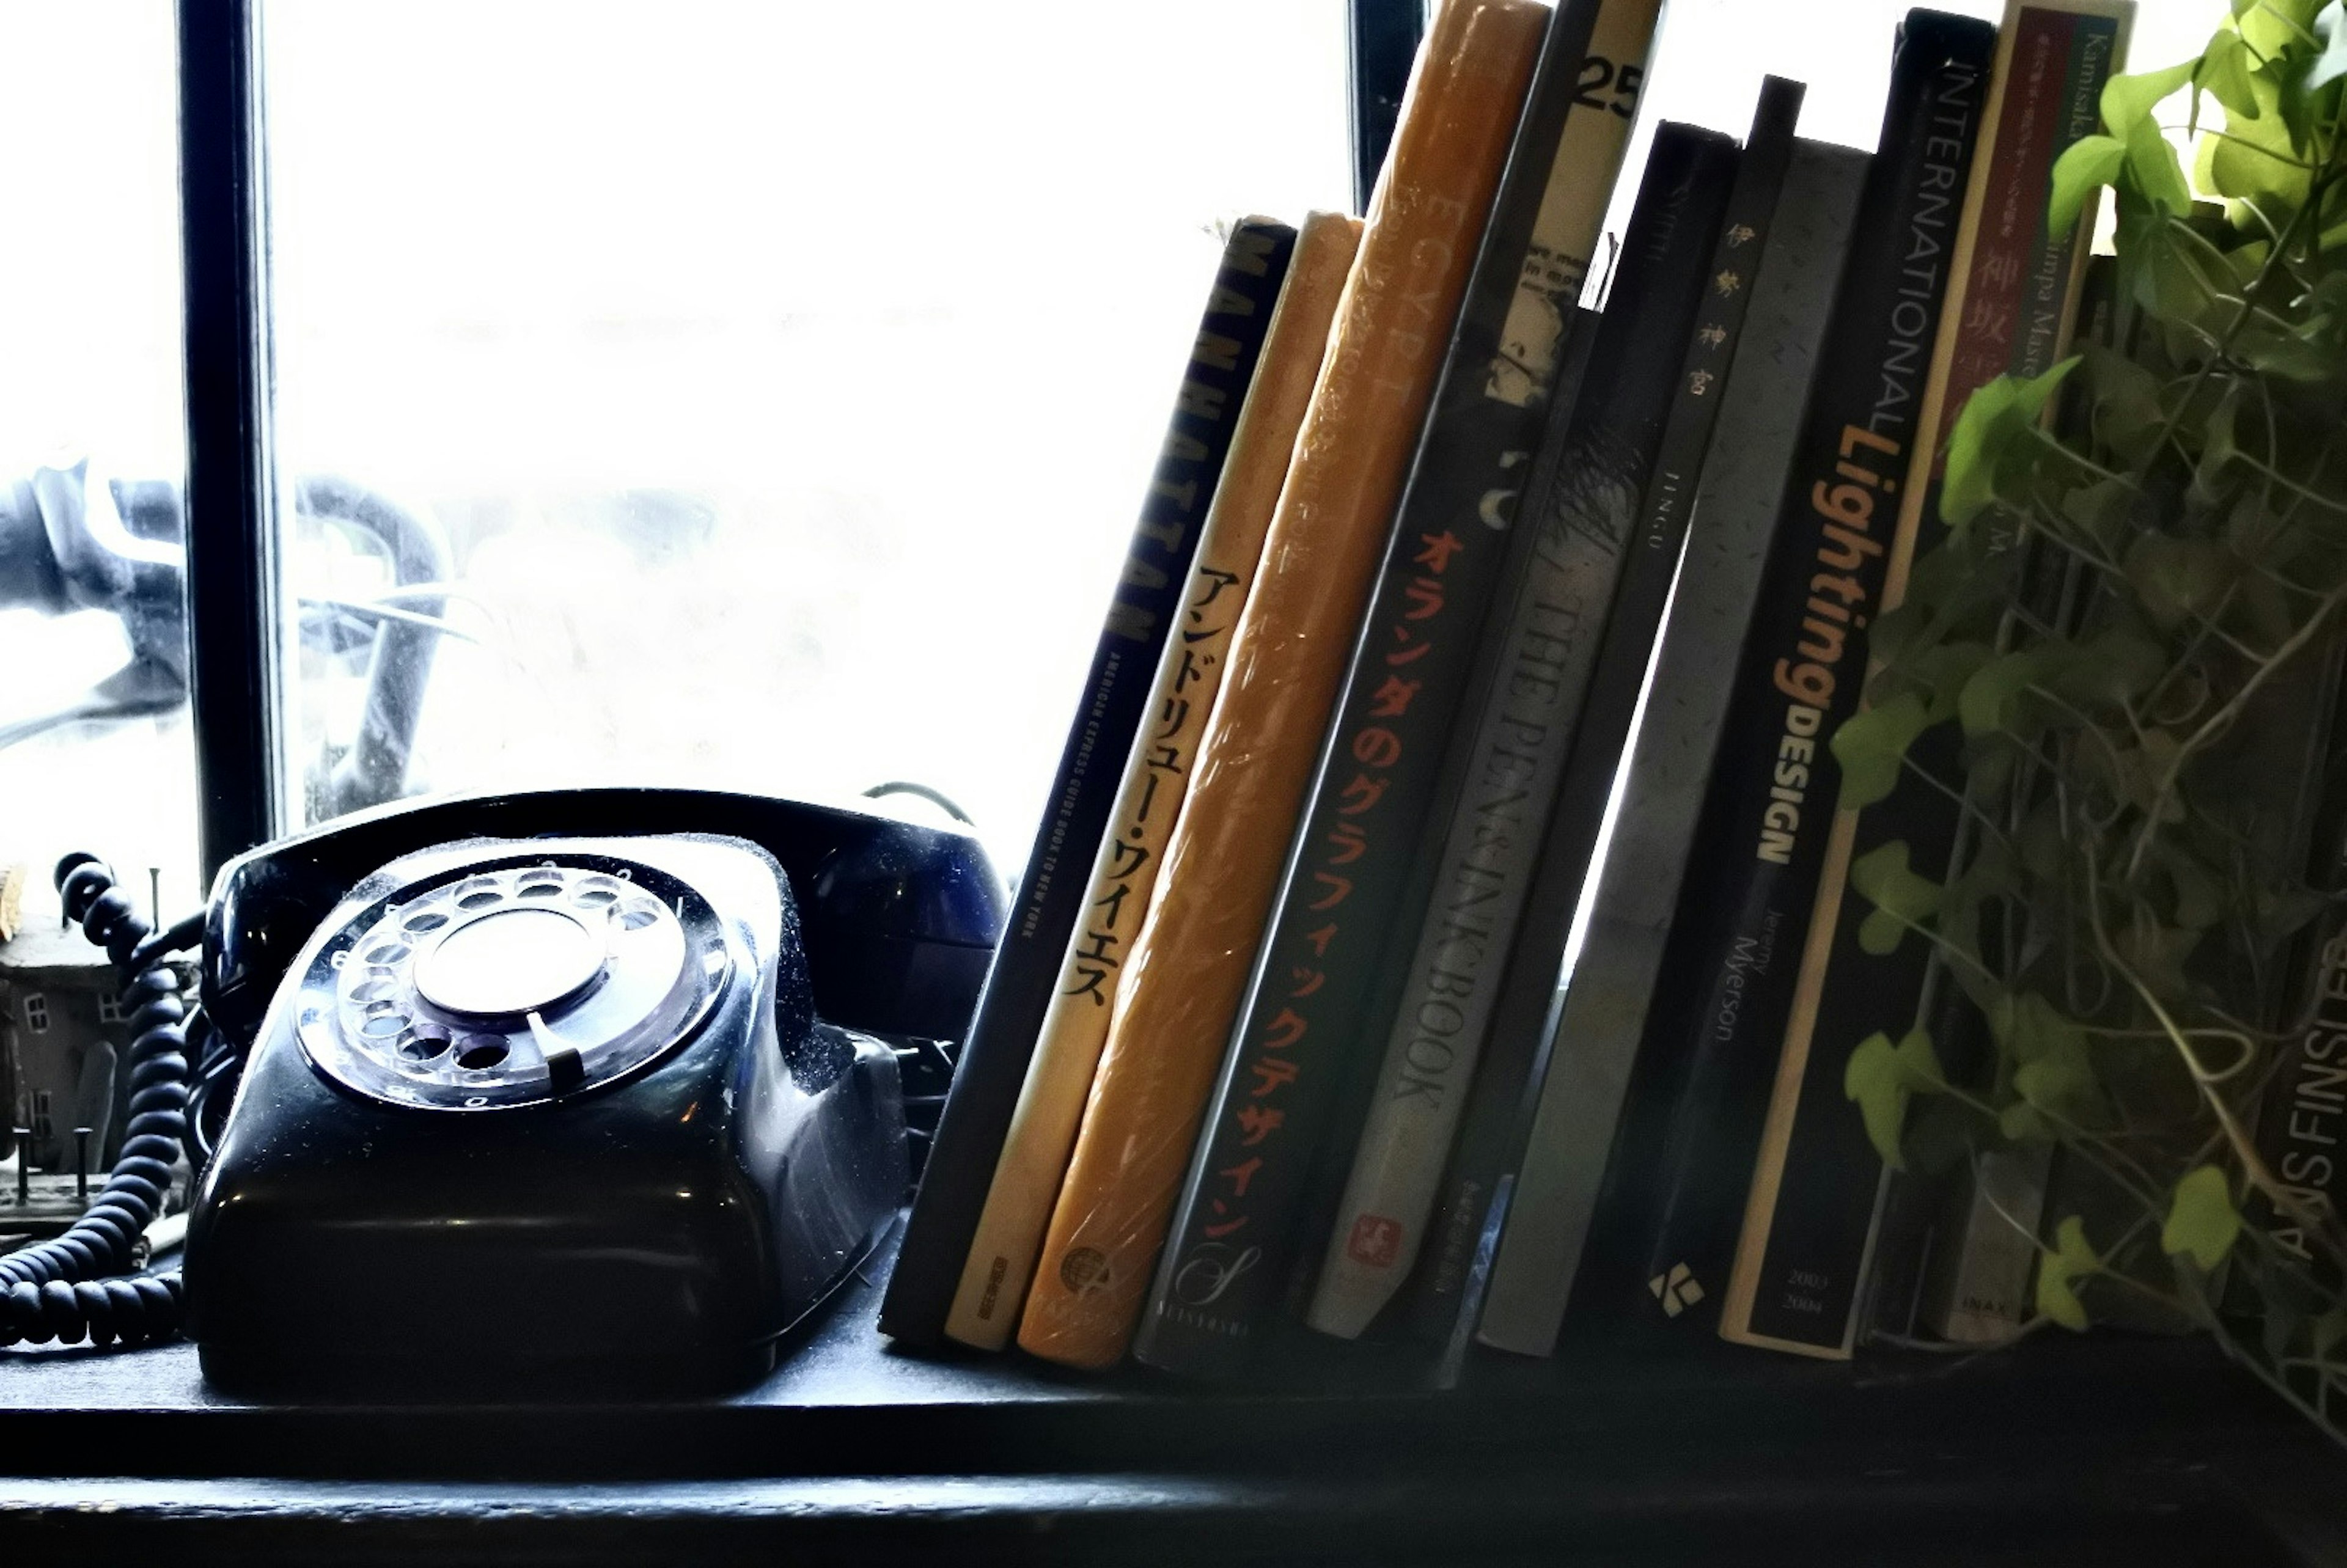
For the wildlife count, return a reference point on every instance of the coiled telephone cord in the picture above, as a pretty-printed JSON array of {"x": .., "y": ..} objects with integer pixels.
[{"x": 58, "y": 1289}]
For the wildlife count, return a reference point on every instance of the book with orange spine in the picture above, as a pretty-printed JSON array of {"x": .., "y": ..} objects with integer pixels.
[
  {"x": 1189, "y": 965},
  {"x": 1125, "y": 874}
]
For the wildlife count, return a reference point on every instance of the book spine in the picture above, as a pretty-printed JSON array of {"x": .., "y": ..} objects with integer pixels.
[
  {"x": 1230, "y": 1248},
  {"x": 1190, "y": 962},
  {"x": 1043, "y": 1125},
  {"x": 1814, "y": 1202},
  {"x": 2303, "y": 1118},
  {"x": 1589, "y": 1033},
  {"x": 1765, "y": 833},
  {"x": 1497, "y": 1095},
  {"x": 1050, "y": 894},
  {"x": 1955, "y": 1248},
  {"x": 1584, "y": 518}
]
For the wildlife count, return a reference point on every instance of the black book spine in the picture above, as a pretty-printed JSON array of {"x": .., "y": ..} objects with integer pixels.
[
  {"x": 1142, "y": 612},
  {"x": 1727, "y": 990},
  {"x": 1227, "y": 1251},
  {"x": 1498, "y": 1105}
]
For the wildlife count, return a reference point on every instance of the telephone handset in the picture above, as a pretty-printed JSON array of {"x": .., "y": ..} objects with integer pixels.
[{"x": 593, "y": 1089}]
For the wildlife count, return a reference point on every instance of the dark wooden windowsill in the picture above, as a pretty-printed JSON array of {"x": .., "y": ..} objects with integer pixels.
[{"x": 2083, "y": 1451}]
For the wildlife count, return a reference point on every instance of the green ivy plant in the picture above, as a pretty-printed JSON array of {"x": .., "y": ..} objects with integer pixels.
[{"x": 2119, "y": 663}]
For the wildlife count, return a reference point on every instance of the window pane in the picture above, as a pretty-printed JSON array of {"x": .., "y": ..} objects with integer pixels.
[
  {"x": 95, "y": 749},
  {"x": 775, "y": 385}
]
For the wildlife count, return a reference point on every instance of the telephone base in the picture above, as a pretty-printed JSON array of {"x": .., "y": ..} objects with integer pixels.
[{"x": 383, "y": 1221}]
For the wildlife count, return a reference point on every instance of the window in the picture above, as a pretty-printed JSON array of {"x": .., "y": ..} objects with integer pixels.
[
  {"x": 37, "y": 1012},
  {"x": 95, "y": 744},
  {"x": 755, "y": 396}
]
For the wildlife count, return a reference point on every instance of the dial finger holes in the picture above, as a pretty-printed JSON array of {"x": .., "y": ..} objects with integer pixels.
[
  {"x": 417, "y": 925},
  {"x": 639, "y": 915},
  {"x": 382, "y": 1021},
  {"x": 597, "y": 893},
  {"x": 479, "y": 893},
  {"x": 540, "y": 889},
  {"x": 379, "y": 987},
  {"x": 383, "y": 955},
  {"x": 480, "y": 1052},
  {"x": 424, "y": 1045}
]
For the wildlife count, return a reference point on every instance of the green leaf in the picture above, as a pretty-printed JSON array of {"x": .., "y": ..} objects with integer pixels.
[
  {"x": 2218, "y": 448},
  {"x": 2330, "y": 26},
  {"x": 2100, "y": 510},
  {"x": 2061, "y": 1081},
  {"x": 2256, "y": 158},
  {"x": 2128, "y": 100},
  {"x": 1986, "y": 707},
  {"x": 2177, "y": 275},
  {"x": 1882, "y": 1077},
  {"x": 1943, "y": 672},
  {"x": 2177, "y": 578},
  {"x": 2224, "y": 73},
  {"x": 2022, "y": 1123},
  {"x": 2036, "y": 1030},
  {"x": 2128, "y": 414},
  {"x": 2056, "y": 1072},
  {"x": 2071, "y": 1259},
  {"x": 2052, "y": 1085},
  {"x": 2085, "y": 166},
  {"x": 1871, "y": 745},
  {"x": 2120, "y": 664},
  {"x": 2030, "y": 397},
  {"x": 1900, "y": 896},
  {"x": 1880, "y": 933},
  {"x": 1970, "y": 484},
  {"x": 2274, "y": 26},
  {"x": 2201, "y": 1220},
  {"x": 2151, "y": 165},
  {"x": 2279, "y": 351},
  {"x": 1990, "y": 764}
]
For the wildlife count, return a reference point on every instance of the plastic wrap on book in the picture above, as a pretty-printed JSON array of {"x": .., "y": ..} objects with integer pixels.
[{"x": 1190, "y": 961}]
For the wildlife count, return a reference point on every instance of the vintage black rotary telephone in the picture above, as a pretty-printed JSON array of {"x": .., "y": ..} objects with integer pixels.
[{"x": 593, "y": 1091}]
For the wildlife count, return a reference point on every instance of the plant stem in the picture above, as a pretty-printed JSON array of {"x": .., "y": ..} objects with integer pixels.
[{"x": 2217, "y": 721}]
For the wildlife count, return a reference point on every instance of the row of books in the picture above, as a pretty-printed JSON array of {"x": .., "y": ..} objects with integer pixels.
[{"x": 1441, "y": 917}]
